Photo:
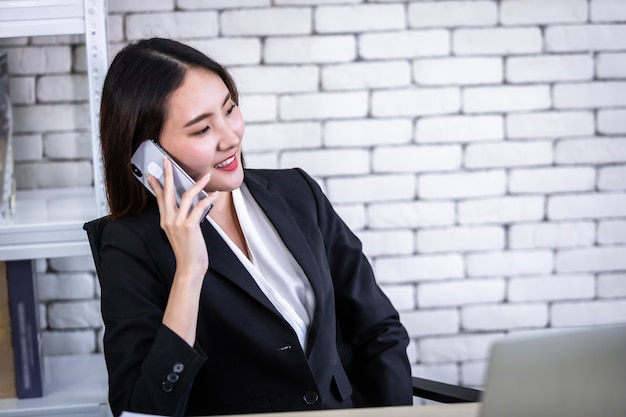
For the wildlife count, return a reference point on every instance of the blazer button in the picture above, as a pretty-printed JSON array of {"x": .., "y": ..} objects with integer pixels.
[
  {"x": 310, "y": 397},
  {"x": 167, "y": 386}
]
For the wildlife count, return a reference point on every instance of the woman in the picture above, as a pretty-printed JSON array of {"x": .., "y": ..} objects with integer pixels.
[{"x": 269, "y": 305}]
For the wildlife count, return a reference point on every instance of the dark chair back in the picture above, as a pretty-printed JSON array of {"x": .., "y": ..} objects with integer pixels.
[{"x": 94, "y": 229}]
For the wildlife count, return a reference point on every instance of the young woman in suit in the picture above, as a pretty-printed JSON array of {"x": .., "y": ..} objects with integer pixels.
[{"x": 266, "y": 305}]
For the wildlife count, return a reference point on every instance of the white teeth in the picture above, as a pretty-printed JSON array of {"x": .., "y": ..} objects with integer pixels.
[{"x": 226, "y": 162}]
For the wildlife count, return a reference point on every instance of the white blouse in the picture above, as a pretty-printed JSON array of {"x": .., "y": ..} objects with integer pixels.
[{"x": 272, "y": 266}]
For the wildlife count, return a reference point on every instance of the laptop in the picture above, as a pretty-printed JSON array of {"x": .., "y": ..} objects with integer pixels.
[{"x": 564, "y": 373}]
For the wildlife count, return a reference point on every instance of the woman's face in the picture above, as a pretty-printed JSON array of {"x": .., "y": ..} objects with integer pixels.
[{"x": 203, "y": 129}]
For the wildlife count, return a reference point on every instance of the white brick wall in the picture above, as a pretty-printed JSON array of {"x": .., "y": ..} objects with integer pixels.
[{"x": 477, "y": 148}]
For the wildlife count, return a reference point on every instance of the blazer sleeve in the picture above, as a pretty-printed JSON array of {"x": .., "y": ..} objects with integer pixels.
[
  {"x": 151, "y": 369},
  {"x": 366, "y": 320}
]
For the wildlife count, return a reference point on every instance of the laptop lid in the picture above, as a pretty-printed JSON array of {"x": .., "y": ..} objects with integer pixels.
[{"x": 564, "y": 373}]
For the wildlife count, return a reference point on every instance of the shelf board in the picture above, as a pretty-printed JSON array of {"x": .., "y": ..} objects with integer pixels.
[
  {"x": 48, "y": 224},
  {"x": 41, "y": 17},
  {"x": 75, "y": 385}
]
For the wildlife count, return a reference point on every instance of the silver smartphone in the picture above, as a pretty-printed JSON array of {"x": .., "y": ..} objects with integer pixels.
[{"x": 148, "y": 159}]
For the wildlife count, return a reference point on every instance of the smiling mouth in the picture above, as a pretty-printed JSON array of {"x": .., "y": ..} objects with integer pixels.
[{"x": 225, "y": 162}]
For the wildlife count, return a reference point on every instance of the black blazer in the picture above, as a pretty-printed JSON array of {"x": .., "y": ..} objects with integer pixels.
[{"x": 246, "y": 357}]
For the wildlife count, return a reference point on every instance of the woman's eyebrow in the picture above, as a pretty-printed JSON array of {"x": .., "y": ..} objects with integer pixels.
[{"x": 205, "y": 115}]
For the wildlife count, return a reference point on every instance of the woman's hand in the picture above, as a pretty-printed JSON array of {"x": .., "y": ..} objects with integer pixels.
[
  {"x": 182, "y": 227},
  {"x": 180, "y": 222}
]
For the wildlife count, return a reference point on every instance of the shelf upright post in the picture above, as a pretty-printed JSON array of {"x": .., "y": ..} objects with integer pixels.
[{"x": 97, "y": 51}]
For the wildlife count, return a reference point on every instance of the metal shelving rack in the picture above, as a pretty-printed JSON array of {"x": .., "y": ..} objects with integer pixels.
[{"x": 49, "y": 222}]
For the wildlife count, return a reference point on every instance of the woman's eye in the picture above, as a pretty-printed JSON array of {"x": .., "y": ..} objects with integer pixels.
[
  {"x": 202, "y": 131},
  {"x": 230, "y": 110}
]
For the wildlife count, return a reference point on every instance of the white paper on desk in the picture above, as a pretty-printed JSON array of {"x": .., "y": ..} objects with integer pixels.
[{"x": 131, "y": 414}]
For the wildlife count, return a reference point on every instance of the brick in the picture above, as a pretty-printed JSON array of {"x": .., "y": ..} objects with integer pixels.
[
  {"x": 366, "y": 75},
  {"x": 612, "y": 121},
  {"x": 590, "y": 151},
  {"x": 549, "y": 68},
  {"x": 410, "y": 215},
  {"x": 459, "y": 128},
  {"x": 551, "y": 288},
  {"x": 550, "y": 124},
  {"x": 53, "y": 174},
  {"x": 609, "y": 258},
  {"x": 497, "y": 41},
  {"x": 74, "y": 314},
  {"x": 415, "y": 102},
  {"x": 416, "y": 158},
  {"x": 462, "y": 185},
  {"x": 460, "y": 292},
  {"x": 352, "y": 214},
  {"x": 431, "y": 322},
  {"x": 387, "y": 242},
  {"x": 590, "y": 313},
  {"x": 541, "y": 12},
  {"x": 501, "y": 210},
  {"x": 115, "y": 28},
  {"x": 607, "y": 11},
  {"x": 64, "y": 342},
  {"x": 312, "y": 2},
  {"x": 446, "y": 373},
  {"x": 72, "y": 145},
  {"x": 460, "y": 239},
  {"x": 612, "y": 285},
  {"x": 268, "y": 21},
  {"x": 276, "y": 79},
  {"x": 611, "y": 232},
  {"x": 453, "y": 14},
  {"x": 583, "y": 38},
  {"x": 58, "y": 88},
  {"x": 65, "y": 286},
  {"x": 506, "y": 98},
  {"x": 584, "y": 95},
  {"x": 445, "y": 71},
  {"x": 611, "y": 65},
  {"x": 373, "y": 188},
  {"x": 121, "y": 6},
  {"x": 474, "y": 374},
  {"x": 27, "y": 147},
  {"x": 339, "y": 105},
  {"x": 221, "y": 4},
  {"x": 39, "y": 60},
  {"x": 504, "y": 316},
  {"x": 268, "y": 160},
  {"x": 310, "y": 49},
  {"x": 612, "y": 178},
  {"x": 22, "y": 90},
  {"x": 187, "y": 25},
  {"x": 281, "y": 136},
  {"x": 259, "y": 108},
  {"x": 404, "y": 44},
  {"x": 359, "y": 18},
  {"x": 53, "y": 117},
  {"x": 401, "y": 296},
  {"x": 586, "y": 206},
  {"x": 552, "y": 180},
  {"x": 367, "y": 132},
  {"x": 508, "y": 263},
  {"x": 401, "y": 269},
  {"x": 72, "y": 264},
  {"x": 328, "y": 162},
  {"x": 551, "y": 235},
  {"x": 467, "y": 347},
  {"x": 507, "y": 154},
  {"x": 230, "y": 51}
]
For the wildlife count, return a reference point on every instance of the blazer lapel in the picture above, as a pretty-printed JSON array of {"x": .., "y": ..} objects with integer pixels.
[
  {"x": 281, "y": 216},
  {"x": 225, "y": 263}
]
